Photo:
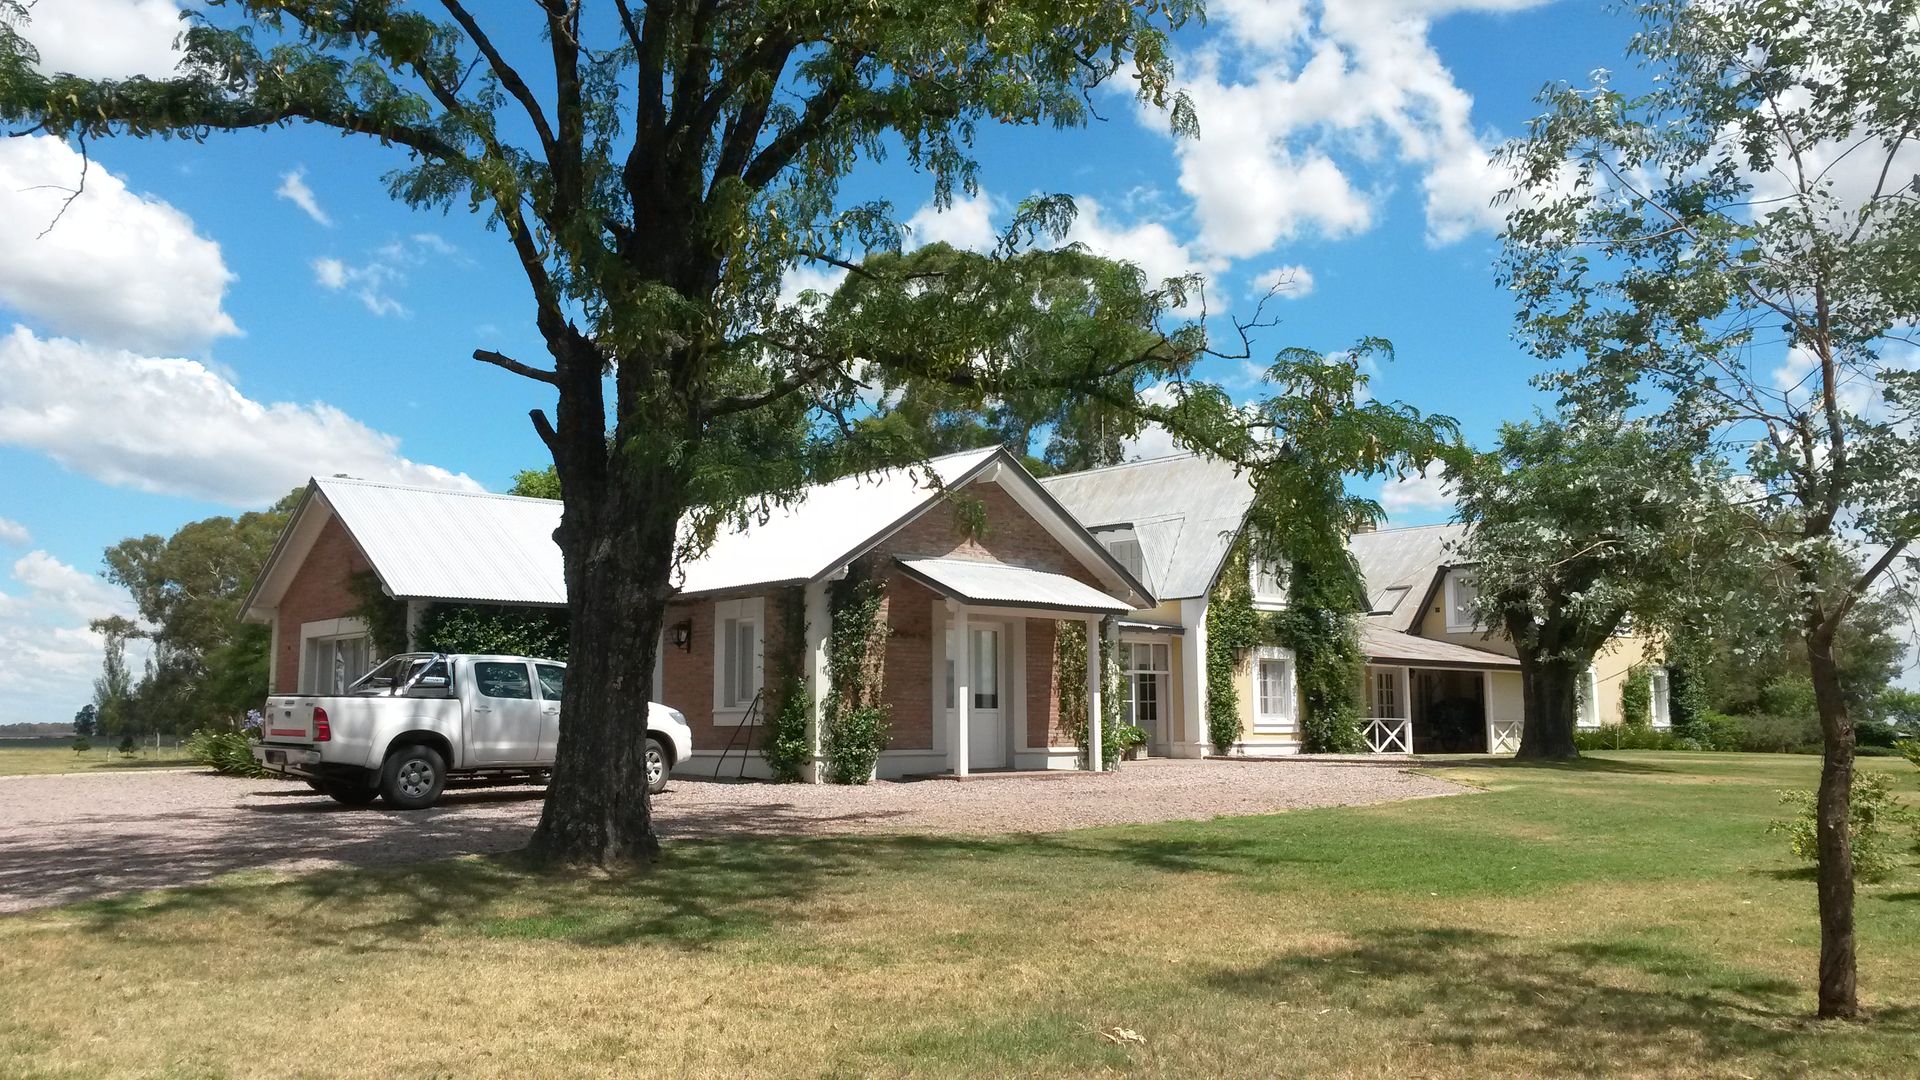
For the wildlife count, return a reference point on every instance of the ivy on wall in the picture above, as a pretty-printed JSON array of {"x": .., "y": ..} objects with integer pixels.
[
  {"x": 494, "y": 628},
  {"x": 1233, "y": 627},
  {"x": 1636, "y": 697},
  {"x": 854, "y": 724},
  {"x": 386, "y": 618},
  {"x": 1070, "y": 659},
  {"x": 784, "y": 737}
]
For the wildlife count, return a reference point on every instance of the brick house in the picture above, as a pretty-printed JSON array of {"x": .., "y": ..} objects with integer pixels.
[{"x": 969, "y": 673}]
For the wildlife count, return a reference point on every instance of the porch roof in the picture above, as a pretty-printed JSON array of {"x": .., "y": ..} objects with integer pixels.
[
  {"x": 998, "y": 584},
  {"x": 1384, "y": 646}
]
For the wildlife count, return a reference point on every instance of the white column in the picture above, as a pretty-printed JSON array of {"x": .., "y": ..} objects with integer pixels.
[
  {"x": 1192, "y": 740},
  {"x": 962, "y": 687},
  {"x": 1486, "y": 706},
  {"x": 1094, "y": 757},
  {"x": 819, "y": 616}
]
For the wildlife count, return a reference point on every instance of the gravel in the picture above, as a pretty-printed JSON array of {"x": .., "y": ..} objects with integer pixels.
[{"x": 73, "y": 837}]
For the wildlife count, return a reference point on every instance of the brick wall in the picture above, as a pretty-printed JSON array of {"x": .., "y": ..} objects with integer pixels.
[
  {"x": 1044, "y": 726},
  {"x": 687, "y": 675},
  {"x": 321, "y": 589}
]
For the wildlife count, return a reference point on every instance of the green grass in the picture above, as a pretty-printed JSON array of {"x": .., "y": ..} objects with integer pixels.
[
  {"x": 26, "y": 757},
  {"x": 1629, "y": 915}
]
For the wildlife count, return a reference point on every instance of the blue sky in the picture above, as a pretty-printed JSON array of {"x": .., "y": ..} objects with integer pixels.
[{"x": 211, "y": 323}]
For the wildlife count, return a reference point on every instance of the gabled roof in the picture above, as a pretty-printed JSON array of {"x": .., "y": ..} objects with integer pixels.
[
  {"x": 1387, "y": 646},
  {"x": 1400, "y": 568},
  {"x": 436, "y": 544},
  {"x": 1186, "y": 511},
  {"x": 972, "y": 581}
]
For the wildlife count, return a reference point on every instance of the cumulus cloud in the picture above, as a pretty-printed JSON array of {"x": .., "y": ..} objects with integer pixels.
[
  {"x": 117, "y": 267},
  {"x": 967, "y": 224},
  {"x": 1293, "y": 282},
  {"x": 51, "y": 654},
  {"x": 100, "y": 39},
  {"x": 1147, "y": 244},
  {"x": 293, "y": 188},
  {"x": 374, "y": 281},
  {"x": 1308, "y": 111},
  {"x": 176, "y": 427},
  {"x": 810, "y": 277},
  {"x": 1421, "y": 492},
  {"x": 13, "y": 533},
  {"x": 1154, "y": 441}
]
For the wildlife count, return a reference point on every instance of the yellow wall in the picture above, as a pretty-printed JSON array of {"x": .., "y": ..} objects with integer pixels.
[
  {"x": 1433, "y": 624},
  {"x": 1508, "y": 701},
  {"x": 1610, "y": 667}
]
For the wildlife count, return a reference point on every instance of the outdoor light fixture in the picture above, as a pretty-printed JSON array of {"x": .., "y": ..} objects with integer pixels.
[{"x": 683, "y": 635}]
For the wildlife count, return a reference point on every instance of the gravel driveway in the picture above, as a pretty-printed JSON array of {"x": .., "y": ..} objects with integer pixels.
[{"x": 72, "y": 837}]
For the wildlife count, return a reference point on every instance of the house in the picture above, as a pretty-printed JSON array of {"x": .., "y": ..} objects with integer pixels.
[
  {"x": 969, "y": 671},
  {"x": 1435, "y": 681}
]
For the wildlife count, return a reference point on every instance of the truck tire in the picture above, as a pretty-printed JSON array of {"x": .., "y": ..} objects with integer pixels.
[
  {"x": 413, "y": 777},
  {"x": 350, "y": 793},
  {"x": 658, "y": 765}
]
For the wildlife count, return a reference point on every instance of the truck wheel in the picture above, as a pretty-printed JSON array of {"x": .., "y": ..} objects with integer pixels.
[
  {"x": 657, "y": 767},
  {"x": 351, "y": 794},
  {"x": 413, "y": 778}
]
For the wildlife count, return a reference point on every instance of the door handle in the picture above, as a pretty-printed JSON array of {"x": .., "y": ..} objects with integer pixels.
[{"x": 481, "y": 708}]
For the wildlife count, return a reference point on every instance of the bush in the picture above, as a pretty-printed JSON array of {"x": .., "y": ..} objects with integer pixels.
[
  {"x": 1636, "y": 697},
  {"x": 1875, "y": 733},
  {"x": 1630, "y": 737},
  {"x": 82, "y": 744},
  {"x": 226, "y": 752},
  {"x": 1128, "y": 737},
  {"x": 784, "y": 744},
  {"x": 1874, "y": 807},
  {"x": 853, "y": 742},
  {"x": 1719, "y": 731},
  {"x": 127, "y": 746},
  {"x": 1769, "y": 733}
]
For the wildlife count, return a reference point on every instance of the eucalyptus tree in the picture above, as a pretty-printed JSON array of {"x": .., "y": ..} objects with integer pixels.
[
  {"x": 655, "y": 168},
  {"x": 1731, "y": 250},
  {"x": 1575, "y": 529}
]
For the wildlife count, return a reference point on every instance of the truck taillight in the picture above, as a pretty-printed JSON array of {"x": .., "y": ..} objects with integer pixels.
[{"x": 322, "y": 731}]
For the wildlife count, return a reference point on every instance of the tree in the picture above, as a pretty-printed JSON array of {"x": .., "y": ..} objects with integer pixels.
[
  {"x": 1731, "y": 251},
  {"x": 113, "y": 690},
  {"x": 1572, "y": 528},
  {"x": 83, "y": 721}
]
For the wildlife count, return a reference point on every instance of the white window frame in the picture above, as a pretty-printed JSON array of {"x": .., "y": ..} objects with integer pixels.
[
  {"x": 752, "y": 609},
  {"x": 1265, "y": 600},
  {"x": 1287, "y": 722},
  {"x": 328, "y": 630},
  {"x": 1162, "y": 671},
  {"x": 1587, "y": 701},
  {"x": 1454, "y": 625},
  {"x": 1660, "y": 695}
]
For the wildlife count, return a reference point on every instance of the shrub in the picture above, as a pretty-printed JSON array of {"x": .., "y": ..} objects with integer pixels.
[
  {"x": 1719, "y": 731},
  {"x": 852, "y": 744},
  {"x": 1630, "y": 737},
  {"x": 1909, "y": 749},
  {"x": 1874, "y": 807},
  {"x": 1770, "y": 733},
  {"x": 127, "y": 746},
  {"x": 82, "y": 744},
  {"x": 785, "y": 746},
  {"x": 227, "y": 752},
  {"x": 1875, "y": 733},
  {"x": 1128, "y": 737},
  {"x": 1636, "y": 697}
]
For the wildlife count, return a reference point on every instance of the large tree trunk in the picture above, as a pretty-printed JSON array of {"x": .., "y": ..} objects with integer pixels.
[
  {"x": 1833, "y": 808},
  {"x": 1548, "y": 690}
]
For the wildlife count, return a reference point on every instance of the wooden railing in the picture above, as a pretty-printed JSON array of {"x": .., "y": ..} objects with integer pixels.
[{"x": 1390, "y": 735}]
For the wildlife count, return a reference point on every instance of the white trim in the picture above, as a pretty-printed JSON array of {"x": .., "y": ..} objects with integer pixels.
[
  {"x": 1660, "y": 699},
  {"x": 324, "y": 630},
  {"x": 1276, "y": 723},
  {"x": 1588, "y": 716},
  {"x": 1451, "y": 599},
  {"x": 1192, "y": 725},
  {"x": 754, "y": 609},
  {"x": 1264, "y": 601}
]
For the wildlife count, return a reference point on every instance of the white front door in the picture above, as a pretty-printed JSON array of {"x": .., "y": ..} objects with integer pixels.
[{"x": 987, "y": 720}]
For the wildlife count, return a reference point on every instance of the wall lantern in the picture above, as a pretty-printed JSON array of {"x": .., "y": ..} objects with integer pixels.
[{"x": 683, "y": 635}]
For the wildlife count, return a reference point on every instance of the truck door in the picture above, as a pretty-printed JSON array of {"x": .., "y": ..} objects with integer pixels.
[
  {"x": 503, "y": 722},
  {"x": 551, "y": 678}
]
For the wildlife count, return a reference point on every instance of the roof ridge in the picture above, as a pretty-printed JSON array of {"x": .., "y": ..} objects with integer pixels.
[
  {"x": 1122, "y": 465},
  {"x": 435, "y": 489}
]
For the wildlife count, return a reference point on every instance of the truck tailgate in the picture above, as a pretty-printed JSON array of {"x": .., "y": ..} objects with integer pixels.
[{"x": 287, "y": 720}]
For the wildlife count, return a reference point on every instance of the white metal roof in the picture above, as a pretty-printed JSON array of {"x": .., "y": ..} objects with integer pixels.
[
  {"x": 1186, "y": 509},
  {"x": 1383, "y": 645},
  {"x": 1404, "y": 560},
  {"x": 433, "y": 543},
  {"x": 992, "y": 583}
]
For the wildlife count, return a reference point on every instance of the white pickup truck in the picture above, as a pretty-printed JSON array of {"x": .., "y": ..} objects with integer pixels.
[{"x": 406, "y": 726}]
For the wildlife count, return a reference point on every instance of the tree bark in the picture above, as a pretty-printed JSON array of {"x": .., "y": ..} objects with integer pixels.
[
  {"x": 1548, "y": 692},
  {"x": 1839, "y": 999}
]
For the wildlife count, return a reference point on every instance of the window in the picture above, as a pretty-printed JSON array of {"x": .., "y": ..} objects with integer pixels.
[
  {"x": 738, "y": 642},
  {"x": 1147, "y": 666},
  {"x": 336, "y": 663},
  {"x": 985, "y": 667},
  {"x": 1273, "y": 690},
  {"x": 1586, "y": 699},
  {"x": 552, "y": 680},
  {"x": 1662, "y": 705},
  {"x": 1462, "y": 594},
  {"x": 1269, "y": 581},
  {"x": 1386, "y": 695},
  {"x": 498, "y": 679}
]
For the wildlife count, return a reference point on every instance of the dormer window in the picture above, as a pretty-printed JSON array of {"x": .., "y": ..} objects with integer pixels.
[
  {"x": 1269, "y": 582},
  {"x": 1124, "y": 545},
  {"x": 1462, "y": 594}
]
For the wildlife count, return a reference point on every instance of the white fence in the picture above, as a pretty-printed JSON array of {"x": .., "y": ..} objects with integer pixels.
[
  {"x": 1390, "y": 735},
  {"x": 1503, "y": 736}
]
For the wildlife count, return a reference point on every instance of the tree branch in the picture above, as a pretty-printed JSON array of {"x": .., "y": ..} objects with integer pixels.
[
  {"x": 508, "y": 363},
  {"x": 509, "y": 78}
]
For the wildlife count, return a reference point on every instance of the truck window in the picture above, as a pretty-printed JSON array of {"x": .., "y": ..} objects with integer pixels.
[
  {"x": 502, "y": 680},
  {"x": 551, "y": 680}
]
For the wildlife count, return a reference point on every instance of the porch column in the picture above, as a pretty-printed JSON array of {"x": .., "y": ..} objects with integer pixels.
[
  {"x": 1094, "y": 645},
  {"x": 962, "y": 686},
  {"x": 819, "y": 615},
  {"x": 1486, "y": 706},
  {"x": 1192, "y": 740}
]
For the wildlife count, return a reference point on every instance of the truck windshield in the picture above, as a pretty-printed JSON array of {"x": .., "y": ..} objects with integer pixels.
[{"x": 397, "y": 671}]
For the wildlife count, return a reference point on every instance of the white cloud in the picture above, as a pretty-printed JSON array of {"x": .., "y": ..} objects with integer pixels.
[
  {"x": 1423, "y": 491},
  {"x": 14, "y": 533},
  {"x": 967, "y": 224},
  {"x": 52, "y": 657},
  {"x": 117, "y": 268},
  {"x": 1313, "y": 96},
  {"x": 1153, "y": 441},
  {"x": 374, "y": 281},
  {"x": 293, "y": 188},
  {"x": 1287, "y": 282},
  {"x": 330, "y": 273},
  {"x": 52, "y": 582},
  {"x": 105, "y": 38},
  {"x": 176, "y": 427},
  {"x": 1148, "y": 244},
  {"x": 810, "y": 277}
]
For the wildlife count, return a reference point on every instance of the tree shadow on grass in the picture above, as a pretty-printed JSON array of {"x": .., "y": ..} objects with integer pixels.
[
  {"x": 1588, "y": 1007},
  {"x": 1583, "y": 764}
]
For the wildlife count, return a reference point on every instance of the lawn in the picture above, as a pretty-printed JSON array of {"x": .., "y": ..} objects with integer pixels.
[
  {"x": 1627, "y": 916},
  {"x": 23, "y": 757}
]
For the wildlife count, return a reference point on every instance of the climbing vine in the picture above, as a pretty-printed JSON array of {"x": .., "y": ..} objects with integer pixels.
[
  {"x": 494, "y": 628},
  {"x": 1636, "y": 697},
  {"x": 1233, "y": 627},
  {"x": 784, "y": 739},
  {"x": 386, "y": 618},
  {"x": 1070, "y": 660},
  {"x": 854, "y": 727},
  {"x": 1321, "y": 626}
]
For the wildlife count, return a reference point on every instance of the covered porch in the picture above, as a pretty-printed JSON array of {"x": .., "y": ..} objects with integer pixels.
[
  {"x": 1424, "y": 696},
  {"x": 994, "y": 687}
]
